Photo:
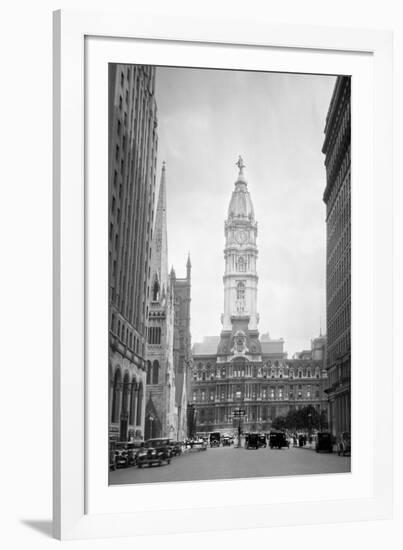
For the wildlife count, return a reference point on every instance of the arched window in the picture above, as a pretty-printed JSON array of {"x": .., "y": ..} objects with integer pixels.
[
  {"x": 125, "y": 396},
  {"x": 132, "y": 414},
  {"x": 148, "y": 381},
  {"x": 156, "y": 291},
  {"x": 116, "y": 396},
  {"x": 156, "y": 367},
  {"x": 139, "y": 405}
]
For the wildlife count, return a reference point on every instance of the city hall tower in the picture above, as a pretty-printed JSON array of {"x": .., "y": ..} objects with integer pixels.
[{"x": 240, "y": 318}]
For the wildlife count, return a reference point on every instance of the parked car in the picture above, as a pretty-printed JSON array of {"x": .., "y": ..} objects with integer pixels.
[
  {"x": 161, "y": 443},
  {"x": 152, "y": 456},
  {"x": 344, "y": 444},
  {"x": 252, "y": 441},
  {"x": 125, "y": 454},
  {"x": 324, "y": 442},
  {"x": 176, "y": 448},
  {"x": 262, "y": 440},
  {"x": 200, "y": 444},
  {"x": 215, "y": 439},
  {"x": 278, "y": 440}
]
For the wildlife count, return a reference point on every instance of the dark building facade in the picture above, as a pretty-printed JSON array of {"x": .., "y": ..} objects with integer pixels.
[
  {"x": 337, "y": 197},
  {"x": 132, "y": 173},
  {"x": 240, "y": 369},
  {"x": 182, "y": 345}
]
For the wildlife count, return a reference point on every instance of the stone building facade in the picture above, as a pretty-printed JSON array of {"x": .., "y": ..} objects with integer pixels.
[
  {"x": 161, "y": 409},
  {"x": 133, "y": 145},
  {"x": 265, "y": 388},
  {"x": 239, "y": 369},
  {"x": 337, "y": 197}
]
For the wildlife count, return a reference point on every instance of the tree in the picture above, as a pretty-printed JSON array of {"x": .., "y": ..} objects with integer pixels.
[
  {"x": 279, "y": 423},
  {"x": 307, "y": 419}
]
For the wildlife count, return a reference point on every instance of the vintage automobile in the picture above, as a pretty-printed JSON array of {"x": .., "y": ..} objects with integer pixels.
[
  {"x": 161, "y": 443},
  {"x": 278, "y": 440},
  {"x": 252, "y": 441},
  {"x": 344, "y": 444},
  {"x": 324, "y": 442},
  {"x": 125, "y": 454},
  {"x": 176, "y": 448},
  {"x": 262, "y": 440},
  {"x": 226, "y": 441},
  {"x": 199, "y": 444},
  {"x": 153, "y": 456},
  {"x": 215, "y": 439}
]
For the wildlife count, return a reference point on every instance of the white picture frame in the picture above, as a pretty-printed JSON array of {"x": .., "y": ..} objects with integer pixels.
[{"x": 84, "y": 506}]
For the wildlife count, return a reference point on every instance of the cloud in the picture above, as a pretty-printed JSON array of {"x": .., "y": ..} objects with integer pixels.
[{"x": 206, "y": 119}]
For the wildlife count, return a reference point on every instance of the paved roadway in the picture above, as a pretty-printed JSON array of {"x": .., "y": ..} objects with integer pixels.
[{"x": 230, "y": 462}]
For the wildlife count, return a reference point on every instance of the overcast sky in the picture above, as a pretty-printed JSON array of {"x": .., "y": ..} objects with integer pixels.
[{"x": 206, "y": 118}]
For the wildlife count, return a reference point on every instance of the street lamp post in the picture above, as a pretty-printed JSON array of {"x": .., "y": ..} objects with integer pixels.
[
  {"x": 238, "y": 395},
  {"x": 151, "y": 420}
]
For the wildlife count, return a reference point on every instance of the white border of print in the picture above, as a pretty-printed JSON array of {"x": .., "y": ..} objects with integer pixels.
[
  {"x": 84, "y": 506},
  {"x": 104, "y": 499}
]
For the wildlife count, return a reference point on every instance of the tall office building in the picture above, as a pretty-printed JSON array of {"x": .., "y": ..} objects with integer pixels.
[
  {"x": 132, "y": 173},
  {"x": 337, "y": 150}
]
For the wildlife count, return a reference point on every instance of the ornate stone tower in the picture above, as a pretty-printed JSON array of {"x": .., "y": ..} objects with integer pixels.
[
  {"x": 161, "y": 412},
  {"x": 240, "y": 317}
]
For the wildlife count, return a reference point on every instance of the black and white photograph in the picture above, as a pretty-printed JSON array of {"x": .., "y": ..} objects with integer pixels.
[{"x": 229, "y": 274}]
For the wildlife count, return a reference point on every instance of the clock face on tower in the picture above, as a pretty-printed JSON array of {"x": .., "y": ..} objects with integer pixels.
[{"x": 241, "y": 237}]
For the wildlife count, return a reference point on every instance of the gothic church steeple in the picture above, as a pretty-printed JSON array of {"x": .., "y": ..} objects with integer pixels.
[{"x": 159, "y": 254}]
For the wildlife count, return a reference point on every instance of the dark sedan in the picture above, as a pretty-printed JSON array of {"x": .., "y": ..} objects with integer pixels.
[
  {"x": 152, "y": 457},
  {"x": 324, "y": 442}
]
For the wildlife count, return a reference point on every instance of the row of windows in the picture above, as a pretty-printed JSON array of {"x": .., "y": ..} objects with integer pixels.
[
  {"x": 153, "y": 372},
  {"x": 342, "y": 134},
  {"x": 339, "y": 323},
  {"x": 340, "y": 298},
  {"x": 203, "y": 375},
  {"x": 339, "y": 348},
  {"x": 228, "y": 394},
  {"x": 154, "y": 335},
  {"x": 127, "y": 400},
  {"x": 131, "y": 190},
  {"x": 337, "y": 191},
  {"x": 126, "y": 335},
  {"x": 339, "y": 275}
]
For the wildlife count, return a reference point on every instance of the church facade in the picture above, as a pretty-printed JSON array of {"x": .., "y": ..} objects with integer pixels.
[
  {"x": 239, "y": 369},
  {"x": 168, "y": 336}
]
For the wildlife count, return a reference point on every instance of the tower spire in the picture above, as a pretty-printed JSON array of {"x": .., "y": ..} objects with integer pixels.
[
  {"x": 188, "y": 266},
  {"x": 159, "y": 255}
]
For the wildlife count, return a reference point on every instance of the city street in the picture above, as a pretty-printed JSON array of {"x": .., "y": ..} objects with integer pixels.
[{"x": 230, "y": 462}]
